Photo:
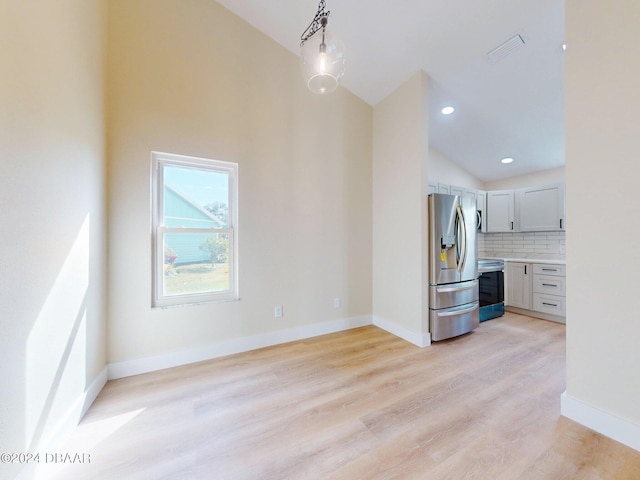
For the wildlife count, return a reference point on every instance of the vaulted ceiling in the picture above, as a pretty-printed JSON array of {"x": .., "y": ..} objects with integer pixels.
[{"x": 506, "y": 105}]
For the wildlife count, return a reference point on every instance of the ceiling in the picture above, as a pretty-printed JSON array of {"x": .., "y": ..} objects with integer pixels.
[{"x": 512, "y": 107}]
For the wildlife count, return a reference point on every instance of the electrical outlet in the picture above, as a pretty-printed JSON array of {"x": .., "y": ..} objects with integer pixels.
[
  {"x": 278, "y": 311},
  {"x": 337, "y": 303}
]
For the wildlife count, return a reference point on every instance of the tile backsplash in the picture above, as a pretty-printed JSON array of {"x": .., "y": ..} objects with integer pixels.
[{"x": 539, "y": 243}]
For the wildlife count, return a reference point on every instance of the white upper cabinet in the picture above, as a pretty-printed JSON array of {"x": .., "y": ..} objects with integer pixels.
[
  {"x": 500, "y": 214},
  {"x": 444, "y": 188},
  {"x": 456, "y": 190},
  {"x": 541, "y": 209},
  {"x": 533, "y": 209},
  {"x": 466, "y": 192},
  {"x": 481, "y": 202}
]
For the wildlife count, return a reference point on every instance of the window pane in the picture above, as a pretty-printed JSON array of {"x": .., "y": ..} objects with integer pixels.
[
  {"x": 195, "y": 198},
  {"x": 196, "y": 263}
]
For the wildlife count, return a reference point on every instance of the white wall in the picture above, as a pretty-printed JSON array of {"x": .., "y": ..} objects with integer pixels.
[
  {"x": 603, "y": 121},
  {"x": 400, "y": 153},
  {"x": 191, "y": 78},
  {"x": 544, "y": 177},
  {"x": 52, "y": 297},
  {"x": 444, "y": 170}
]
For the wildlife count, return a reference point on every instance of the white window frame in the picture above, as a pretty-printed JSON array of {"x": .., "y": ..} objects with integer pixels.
[{"x": 158, "y": 161}]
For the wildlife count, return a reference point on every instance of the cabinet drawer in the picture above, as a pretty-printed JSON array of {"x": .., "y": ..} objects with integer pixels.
[
  {"x": 552, "y": 304},
  {"x": 549, "y": 285},
  {"x": 547, "y": 269}
]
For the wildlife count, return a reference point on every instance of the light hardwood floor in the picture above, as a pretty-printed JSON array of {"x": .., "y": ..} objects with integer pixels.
[{"x": 355, "y": 405}]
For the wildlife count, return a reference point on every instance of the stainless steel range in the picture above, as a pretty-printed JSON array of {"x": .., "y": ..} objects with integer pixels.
[{"x": 491, "y": 288}]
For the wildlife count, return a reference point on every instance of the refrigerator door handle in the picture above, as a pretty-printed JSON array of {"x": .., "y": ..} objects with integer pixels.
[
  {"x": 457, "y": 289},
  {"x": 462, "y": 229}
]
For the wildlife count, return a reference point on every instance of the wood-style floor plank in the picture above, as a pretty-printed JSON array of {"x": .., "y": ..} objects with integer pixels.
[{"x": 360, "y": 404}]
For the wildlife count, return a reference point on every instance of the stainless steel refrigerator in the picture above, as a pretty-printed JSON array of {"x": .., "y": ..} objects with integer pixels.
[{"x": 453, "y": 266}]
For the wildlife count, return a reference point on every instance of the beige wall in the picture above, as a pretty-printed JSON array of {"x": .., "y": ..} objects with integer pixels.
[
  {"x": 544, "y": 177},
  {"x": 400, "y": 154},
  {"x": 191, "y": 78},
  {"x": 182, "y": 79},
  {"x": 52, "y": 297},
  {"x": 603, "y": 141},
  {"x": 444, "y": 170}
]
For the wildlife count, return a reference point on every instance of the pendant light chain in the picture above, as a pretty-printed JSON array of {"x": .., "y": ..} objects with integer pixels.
[{"x": 318, "y": 22}]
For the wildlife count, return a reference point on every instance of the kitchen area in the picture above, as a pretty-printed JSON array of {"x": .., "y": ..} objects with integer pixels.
[{"x": 519, "y": 242}]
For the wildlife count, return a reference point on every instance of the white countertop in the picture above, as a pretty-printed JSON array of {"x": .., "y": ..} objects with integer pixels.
[{"x": 526, "y": 257}]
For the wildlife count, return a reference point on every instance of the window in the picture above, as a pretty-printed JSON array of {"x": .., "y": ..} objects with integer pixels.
[{"x": 194, "y": 210}]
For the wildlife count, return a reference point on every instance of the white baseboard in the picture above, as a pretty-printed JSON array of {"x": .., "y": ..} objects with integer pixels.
[
  {"x": 419, "y": 339},
  {"x": 229, "y": 347},
  {"x": 70, "y": 421},
  {"x": 609, "y": 425},
  {"x": 77, "y": 411}
]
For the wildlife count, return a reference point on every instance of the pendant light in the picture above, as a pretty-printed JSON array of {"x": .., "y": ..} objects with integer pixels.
[{"x": 322, "y": 54}]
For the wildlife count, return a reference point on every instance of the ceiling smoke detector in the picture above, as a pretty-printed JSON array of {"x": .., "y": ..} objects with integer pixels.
[{"x": 507, "y": 48}]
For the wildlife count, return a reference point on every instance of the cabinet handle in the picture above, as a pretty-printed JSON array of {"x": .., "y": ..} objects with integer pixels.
[
  {"x": 525, "y": 269},
  {"x": 511, "y": 225},
  {"x": 560, "y": 223},
  {"x": 550, "y": 304},
  {"x": 549, "y": 285},
  {"x": 549, "y": 269}
]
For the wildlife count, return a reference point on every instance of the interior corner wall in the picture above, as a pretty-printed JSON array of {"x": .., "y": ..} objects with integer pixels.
[
  {"x": 400, "y": 153},
  {"x": 191, "y": 78},
  {"x": 443, "y": 170},
  {"x": 52, "y": 192},
  {"x": 543, "y": 177},
  {"x": 602, "y": 141}
]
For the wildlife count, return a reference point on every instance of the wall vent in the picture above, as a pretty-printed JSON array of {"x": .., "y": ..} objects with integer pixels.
[{"x": 506, "y": 48}]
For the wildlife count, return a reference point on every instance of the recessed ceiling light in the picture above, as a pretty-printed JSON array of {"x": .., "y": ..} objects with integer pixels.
[
  {"x": 564, "y": 46},
  {"x": 447, "y": 110},
  {"x": 507, "y": 160}
]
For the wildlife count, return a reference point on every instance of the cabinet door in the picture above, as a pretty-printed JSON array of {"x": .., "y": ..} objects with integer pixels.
[
  {"x": 444, "y": 188},
  {"x": 432, "y": 188},
  {"x": 500, "y": 211},
  {"x": 541, "y": 209},
  {"x": 481, "y": 202},
  {"x": 467, "y": 192},
  {"x": 518, "y": 284},
  {"x": 456, "y": 190}
]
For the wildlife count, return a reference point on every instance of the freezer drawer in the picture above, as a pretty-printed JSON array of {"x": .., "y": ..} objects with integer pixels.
[
  {"x": 452, "y": 295},
  {"x": 451, "y": 322}
]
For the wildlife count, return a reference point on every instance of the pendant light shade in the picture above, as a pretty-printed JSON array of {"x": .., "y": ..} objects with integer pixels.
[{"x": 322, "y": 55}]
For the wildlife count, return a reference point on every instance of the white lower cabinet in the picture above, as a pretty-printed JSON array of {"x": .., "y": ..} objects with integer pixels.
[
  {"x": 518, "y": 285},
  {"x": 537, "y": 287},
  {"x": 549, "y": 289},
  {"x": 551, "y": 304}
]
